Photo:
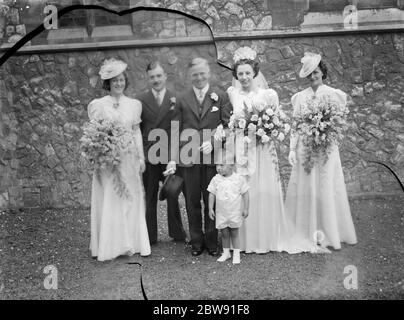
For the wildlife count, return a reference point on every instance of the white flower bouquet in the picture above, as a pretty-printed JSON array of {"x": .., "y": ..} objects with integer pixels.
[
  {"x": 103, "y": 144},
  {"x": 320, "y": 128},
  {"x": 264, "y": 121}
]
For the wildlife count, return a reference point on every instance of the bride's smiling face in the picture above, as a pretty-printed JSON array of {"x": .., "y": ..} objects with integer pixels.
[{"x": 245, "y": 74}]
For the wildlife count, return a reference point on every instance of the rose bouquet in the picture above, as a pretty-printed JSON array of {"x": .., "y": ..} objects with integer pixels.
[
  {"x": 320, "y": 128},
  {"x": 263, "y": 120},
  {"x": 102, "y": 144}
]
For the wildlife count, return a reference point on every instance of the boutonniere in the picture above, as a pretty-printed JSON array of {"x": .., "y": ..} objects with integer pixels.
[
  {"x": 214, "y": 97},
  {"x": 173, "y": 100},
  {"x": 214, "y": 109}
]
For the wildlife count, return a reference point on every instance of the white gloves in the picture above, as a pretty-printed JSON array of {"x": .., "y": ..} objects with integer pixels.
[{"x": 206, "y": 147}]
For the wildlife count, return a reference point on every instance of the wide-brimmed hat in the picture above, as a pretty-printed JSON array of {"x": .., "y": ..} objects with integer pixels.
[
  {"x": 172, "y": 187},
  {"x": 112, "y": 68},
  {"x": 310, "y": 62}
]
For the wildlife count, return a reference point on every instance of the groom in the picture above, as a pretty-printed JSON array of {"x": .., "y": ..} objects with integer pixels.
[
  {"x": 200, "y": 107},
  {"x": 157, "y": 110}
]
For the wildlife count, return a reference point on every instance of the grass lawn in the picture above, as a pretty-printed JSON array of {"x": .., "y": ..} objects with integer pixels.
[{"x": 30, "y": 240}]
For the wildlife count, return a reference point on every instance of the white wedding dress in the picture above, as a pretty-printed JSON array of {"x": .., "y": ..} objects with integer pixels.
[
  {"x": 266, "y": 228},
  {"x": 317, "y": 202},
  {"x": 118, "y": 225}
]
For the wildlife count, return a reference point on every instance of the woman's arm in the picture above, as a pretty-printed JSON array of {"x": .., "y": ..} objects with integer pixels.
[
  {"x": 293, "y": 134},
  {"x": 139, "y": 140}
]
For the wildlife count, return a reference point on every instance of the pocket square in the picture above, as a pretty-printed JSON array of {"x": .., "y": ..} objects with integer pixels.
[{"x": 214, "y": 109}]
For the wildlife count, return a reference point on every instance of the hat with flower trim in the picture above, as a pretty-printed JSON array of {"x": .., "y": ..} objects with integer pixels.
[
  {"x": 310, "y": 62},
  {"x": 112, "y": 68}
]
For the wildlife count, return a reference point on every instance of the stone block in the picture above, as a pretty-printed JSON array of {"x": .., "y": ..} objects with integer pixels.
[
  {"x": 273, "y": 55},
  {"x": 234, "y": 9},
  {"x": 286, "y": 52},
  {"x": 265, "y": 23},
  {"x": 31, "y": 198},
  {"x": 10, "y": 30},
  {"x": 13, "y": 16},
  {"x": 212, "y": 12},
  {"x": 247, "y": 25},
  {"x": 180, "y": 28}
]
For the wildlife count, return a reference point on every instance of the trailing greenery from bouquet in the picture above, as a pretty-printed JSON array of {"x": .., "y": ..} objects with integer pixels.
[
  {"x": 320, "y": 128},
  {"x": 102, "y": 145}
]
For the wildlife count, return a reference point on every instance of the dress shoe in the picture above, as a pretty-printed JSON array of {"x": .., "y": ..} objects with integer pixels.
[
  {"x": 196, "y": 252},
  {"x": 214, "y": 253}
]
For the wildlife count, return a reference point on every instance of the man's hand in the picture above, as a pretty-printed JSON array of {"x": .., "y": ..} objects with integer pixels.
[
  {"x": 212, "y": 214},
  {"x": 292, "y": 158},
  {"x": 171, "y": 168},
  {"x": 245, "y": 213},
  {"x": 206, "y": 147}
]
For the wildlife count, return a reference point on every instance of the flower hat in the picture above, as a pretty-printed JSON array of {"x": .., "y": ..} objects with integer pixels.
[
  {"x": 112, "y": 68},
  {"x": 310, "y": 62}
]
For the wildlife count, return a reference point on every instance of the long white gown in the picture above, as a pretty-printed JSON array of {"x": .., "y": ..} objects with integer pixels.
[
  {"x": 266, "y": 228},
  {"x": 317, "y": 203},
  {"x": 118, "y": 224}
]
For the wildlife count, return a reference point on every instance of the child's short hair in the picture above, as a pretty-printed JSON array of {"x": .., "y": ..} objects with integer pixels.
[{"x": 226, "y": 157}]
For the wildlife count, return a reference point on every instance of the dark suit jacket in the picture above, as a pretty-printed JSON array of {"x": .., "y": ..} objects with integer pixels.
[
  {"x": 155, "y": 117},
  {"x": 187, "y": 113}
]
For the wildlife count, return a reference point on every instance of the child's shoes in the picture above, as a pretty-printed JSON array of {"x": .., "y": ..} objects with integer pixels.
[
  {"x": 225, "y": 255},
  {"x": 236, "y": 256}
]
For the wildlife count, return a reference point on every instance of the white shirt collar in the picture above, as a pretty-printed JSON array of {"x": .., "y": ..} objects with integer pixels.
[
  {"x": 162, "y": 92},
  {"x": 204, "y": 90}
]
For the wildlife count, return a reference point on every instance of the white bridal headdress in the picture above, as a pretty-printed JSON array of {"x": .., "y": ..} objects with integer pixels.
[
  {"x": 310, "y": 62},
  {"x": 112, "y": 68},
  {"x": 244, "y": 53},
  {"x": 248, "y": 53}
]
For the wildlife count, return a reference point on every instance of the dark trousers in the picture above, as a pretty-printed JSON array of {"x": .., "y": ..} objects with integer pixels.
[
  {"x": 196, "y": 181},
  {"x": 151, "y": 177}
]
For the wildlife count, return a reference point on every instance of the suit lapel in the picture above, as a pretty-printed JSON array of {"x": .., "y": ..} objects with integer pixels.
[
  {"x": 192, "y": 101},
  {"x": 163, "y": 109},
  {"x": 207, "y": 102},
  {"x": 151, "y": 102}
]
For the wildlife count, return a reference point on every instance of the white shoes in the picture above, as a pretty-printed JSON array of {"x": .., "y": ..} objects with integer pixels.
[
  {"x": 226, "y": 255},
  {"x": 236, "y": 256}
]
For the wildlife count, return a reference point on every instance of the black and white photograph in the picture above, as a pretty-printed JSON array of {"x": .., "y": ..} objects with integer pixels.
[{"x": 202, "y": 150}]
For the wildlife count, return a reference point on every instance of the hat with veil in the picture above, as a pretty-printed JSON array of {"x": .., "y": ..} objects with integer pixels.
[{"x": 250, "y": 54}]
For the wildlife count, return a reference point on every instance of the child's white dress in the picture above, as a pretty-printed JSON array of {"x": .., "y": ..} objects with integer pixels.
[{"x": 228, "y": 192}]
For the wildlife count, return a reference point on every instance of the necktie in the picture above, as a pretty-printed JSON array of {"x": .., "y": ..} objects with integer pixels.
[
  {"x": 200, "y": 97},
  {"x": 158, "y": 98}
]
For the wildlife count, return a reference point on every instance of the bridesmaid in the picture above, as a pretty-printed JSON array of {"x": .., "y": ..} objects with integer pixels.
[
  {"x": 118, "y": 224},
  {"x": 317, "y": 202}
]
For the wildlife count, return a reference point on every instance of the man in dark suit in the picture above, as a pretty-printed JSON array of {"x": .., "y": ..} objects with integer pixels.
[
  {"x": 157, "y": 110},
  {"x": 199, "y": 111}
]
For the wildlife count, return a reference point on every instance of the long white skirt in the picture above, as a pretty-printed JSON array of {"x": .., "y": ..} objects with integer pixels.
[
  {"x": 118, "y": 224},
  {"x": 318, "y": 204}
]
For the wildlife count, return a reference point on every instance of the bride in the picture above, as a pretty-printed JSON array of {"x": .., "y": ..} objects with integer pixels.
[{"x": 266, "y": 228}]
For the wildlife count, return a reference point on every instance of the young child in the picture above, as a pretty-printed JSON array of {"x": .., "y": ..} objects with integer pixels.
[{"x": 230, "y": 192}]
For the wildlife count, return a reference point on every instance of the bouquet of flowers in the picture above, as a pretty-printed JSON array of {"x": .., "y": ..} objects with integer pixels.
[
  {"x": 102, "y": 144},
  {"x": 262, "y": 120},
  {"x": 320, "y": 128}
]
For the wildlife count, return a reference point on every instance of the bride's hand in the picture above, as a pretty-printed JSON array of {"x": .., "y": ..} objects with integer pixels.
[
  {"x": 292, "y": 158},
  {"x": 142, "y": 165}
]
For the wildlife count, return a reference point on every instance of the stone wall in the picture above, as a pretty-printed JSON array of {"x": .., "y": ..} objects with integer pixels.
[
  {"x": 43, "y": 100},
  {"x": 226, "y": 18}
]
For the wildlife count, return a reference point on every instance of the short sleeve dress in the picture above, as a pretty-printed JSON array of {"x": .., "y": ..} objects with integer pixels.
[
  {"x": 118, "y": 224},
  {"x": 317, "y": 203}
]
